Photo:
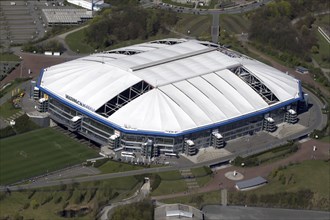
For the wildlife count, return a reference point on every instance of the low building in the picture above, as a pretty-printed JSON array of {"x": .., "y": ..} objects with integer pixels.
[
  {"x": 251, "y": 183},
  {"x": 177, "y": 212},
  {"x": 66, "y": 16}
]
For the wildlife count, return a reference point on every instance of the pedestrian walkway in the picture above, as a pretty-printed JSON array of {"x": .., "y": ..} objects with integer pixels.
[
  {"x": 189, "y": 179},
  {"x": 224, "y": 197},
  {"x": 139, "y": 195},
  {"x": 14, "y": 116}
]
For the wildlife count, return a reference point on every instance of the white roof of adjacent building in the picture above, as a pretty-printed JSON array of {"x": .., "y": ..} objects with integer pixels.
[
  {"x": 67, "y": 15},
  {"x": 177, "y": 212},
  {"x": 193, "y": 84}
]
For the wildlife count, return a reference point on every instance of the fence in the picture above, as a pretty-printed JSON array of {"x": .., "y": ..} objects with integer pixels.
[{"x": 326, "y": 37}]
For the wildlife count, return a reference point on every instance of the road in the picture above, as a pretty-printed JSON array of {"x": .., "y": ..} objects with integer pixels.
[
  {"x": 218, "y": 212},
  {"x": 215, "y": 28},
  {"x": 232, "y": 10}
]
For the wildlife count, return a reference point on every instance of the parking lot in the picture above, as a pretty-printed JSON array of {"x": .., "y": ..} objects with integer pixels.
[{"x": 23, "y": 21}]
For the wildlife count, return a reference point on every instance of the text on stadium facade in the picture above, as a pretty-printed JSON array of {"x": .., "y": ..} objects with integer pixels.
[{"x": 79, "y": 102}]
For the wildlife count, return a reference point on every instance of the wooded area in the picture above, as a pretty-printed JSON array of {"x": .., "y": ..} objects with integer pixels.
[
  {"x": 273, "y": 25},
  {"x": 118, "y": 24}
]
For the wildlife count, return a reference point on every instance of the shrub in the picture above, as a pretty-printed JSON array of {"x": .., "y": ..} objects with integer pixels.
[
  {"x": 155, "y": 182},
  {"x": 34, "y": 204}
]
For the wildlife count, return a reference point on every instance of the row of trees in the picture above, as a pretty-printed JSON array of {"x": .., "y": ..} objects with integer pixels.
[{"x": 121, "y": 24}]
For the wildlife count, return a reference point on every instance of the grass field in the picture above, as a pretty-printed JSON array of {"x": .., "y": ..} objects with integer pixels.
[
  {"x": 197, "y": 200},
  {"x": 171, "y": 182},
  {"x": 324, "y": 51},
  {"x": 234, "y": 23},
  {"x": 81, "y": 195},
  {"x": 301, "y": 186},
  {"x": 7, "y": 110},
  {"x": 76, "y": 43},
  {"x": 37, "y": 152},
  {"x": 202, "y": 175},
  {"x": 115, "y": 167},
  {"x": 310, "y": 174},
  {"x": 326, "y": 139},
  {"x": 198, "y": 25},
  {"x": 9, "y": 57}
]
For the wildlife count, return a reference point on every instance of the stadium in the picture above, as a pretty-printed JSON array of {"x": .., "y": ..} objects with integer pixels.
[{"x": 167, "y": 96}]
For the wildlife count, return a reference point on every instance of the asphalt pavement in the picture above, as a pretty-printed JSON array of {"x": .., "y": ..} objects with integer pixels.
[
  {"x": 217, "y": 212},
  {"x": 231, "y": 10}
]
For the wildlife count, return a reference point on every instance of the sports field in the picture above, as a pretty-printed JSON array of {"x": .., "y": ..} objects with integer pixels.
[{"x": 37, "y": 152}]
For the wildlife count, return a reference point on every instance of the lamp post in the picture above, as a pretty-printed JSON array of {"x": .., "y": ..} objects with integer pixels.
[
  {"x": 243, "y": 164},
  {"x": 22, "y": 63}
]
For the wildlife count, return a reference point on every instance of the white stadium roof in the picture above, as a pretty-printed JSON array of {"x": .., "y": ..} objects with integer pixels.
[{"x": 192, "y": 84}]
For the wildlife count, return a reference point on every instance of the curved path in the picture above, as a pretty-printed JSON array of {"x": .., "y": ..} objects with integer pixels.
[{"x": 139, "y": 195}]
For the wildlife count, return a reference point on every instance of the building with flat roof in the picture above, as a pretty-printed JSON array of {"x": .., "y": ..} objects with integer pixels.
[
  {"x": 251, "y": 183},
  {"x": 168, "y": 96},
  {"x": 177, "y": 212},
  {"x": 66, "y": 16}
]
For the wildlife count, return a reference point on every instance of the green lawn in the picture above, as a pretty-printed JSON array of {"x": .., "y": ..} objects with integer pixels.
[
  {"x": 202, "y": 175},
  {"x": 9, "y": 57},
  {"x": 197, "y": 200},
  {"x": 324, "y": 51},
  {"x": 234, "y": 23},
  {"x": 311, "y": 174},
  {"x": 7, "y": 109},
  {"x": 33, "y": 153},
  {"x": 171, "y": 182},
  {"x": 91, "y": 194},
  {"x": 325, "y": 139},
  {"x": 76, "y": 43},
  {"x": 116, "y": 167},
  {"x": 170, "y": 175},
  {"x": 301, "y": 186},
  {"x": 170, "y": 186},
  {"x": 198, "y": 25}
]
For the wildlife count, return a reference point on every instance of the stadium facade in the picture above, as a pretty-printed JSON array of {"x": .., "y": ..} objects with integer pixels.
[{"x": 167, "y": 96}]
